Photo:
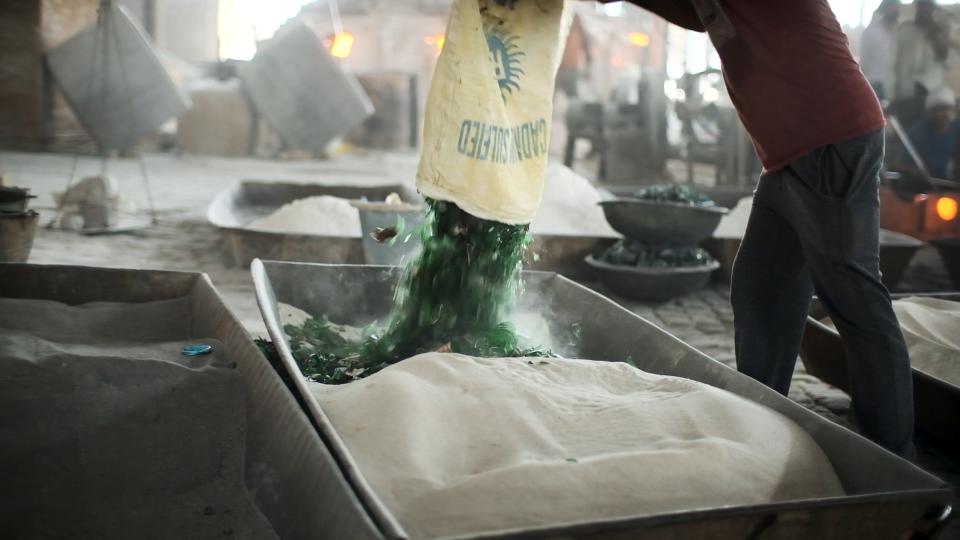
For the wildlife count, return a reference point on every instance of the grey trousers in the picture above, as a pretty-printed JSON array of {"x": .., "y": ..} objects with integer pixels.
[{"x": 815, "y": 227}]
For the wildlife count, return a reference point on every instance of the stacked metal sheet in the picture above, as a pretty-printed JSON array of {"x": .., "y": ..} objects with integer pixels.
[
  {"x": 113, "y": 79},
  {"x": 295, "y": 83}
]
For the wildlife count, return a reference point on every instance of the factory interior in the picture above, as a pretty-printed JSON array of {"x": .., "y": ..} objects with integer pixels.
[{"x": 512, "y": 269}]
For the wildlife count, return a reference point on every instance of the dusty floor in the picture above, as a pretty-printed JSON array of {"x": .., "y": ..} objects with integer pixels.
[{"x": 183, "y": 240}]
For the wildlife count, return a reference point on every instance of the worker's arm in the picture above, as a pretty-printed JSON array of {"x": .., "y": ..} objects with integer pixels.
[{"x": 678, "y": 12}]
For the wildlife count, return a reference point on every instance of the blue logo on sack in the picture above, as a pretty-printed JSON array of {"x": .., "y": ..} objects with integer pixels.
[{"x": 505, "y": 55}]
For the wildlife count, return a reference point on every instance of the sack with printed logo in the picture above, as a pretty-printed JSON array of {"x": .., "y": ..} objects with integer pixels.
[{"x": 487, "y": 121}]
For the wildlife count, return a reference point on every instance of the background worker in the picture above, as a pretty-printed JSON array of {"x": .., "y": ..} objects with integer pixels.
[
  {"x": 878, "y": 47},
  {"x": 937, "y": 136},
  {"x": 922, "y": 47},
  {"x": 817, "y": 126}
]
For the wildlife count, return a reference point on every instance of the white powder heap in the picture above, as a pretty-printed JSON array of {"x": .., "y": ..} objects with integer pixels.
[
  {"x": 569, "y": 206},
  {"x": 734, "y": 224},
  {"x": 931, "y": 328},
  {"x": 455, "y": 445},
  {"x": 321, "y": 215}
]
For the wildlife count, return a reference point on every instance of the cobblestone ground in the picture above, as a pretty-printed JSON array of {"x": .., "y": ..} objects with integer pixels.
[{"x": 705, "y": 321}]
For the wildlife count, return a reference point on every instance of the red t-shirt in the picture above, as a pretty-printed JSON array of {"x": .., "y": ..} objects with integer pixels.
[{"x": 789, "y": 72}]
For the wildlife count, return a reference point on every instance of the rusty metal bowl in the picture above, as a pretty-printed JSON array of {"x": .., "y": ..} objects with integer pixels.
[
  {"x": 653, "y": 284},
  {"x": 662, "y": 222}
]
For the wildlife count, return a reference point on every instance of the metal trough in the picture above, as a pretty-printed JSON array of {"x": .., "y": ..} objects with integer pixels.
[
  {"x": 652, "y": 284},
  {"x": 887, "y": 497},
  {"x": 662, "y": 222},
  {"x": 896, "y": 252},
  {"x": 234, "y": 208},
  {"x": 949, "y": 249},
  {"x": 936, "y": 402},
  {"x": 290, "y": 473}
]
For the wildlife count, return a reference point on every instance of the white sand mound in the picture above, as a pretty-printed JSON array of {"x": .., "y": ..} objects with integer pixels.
[
  {"x": 734, "y": 223},
  {"x": 931, "y": 328},
  {"x": 570, "y": 206},
  {"x": 322, "y": 215},
  {"x": 109, "y": 432},
  {"x": 457, "y": 445}
]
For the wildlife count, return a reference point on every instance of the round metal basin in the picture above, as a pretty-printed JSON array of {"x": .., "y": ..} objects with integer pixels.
[
  {"x": 654, "y": 284},
  {"x": 662, "y": 222}
]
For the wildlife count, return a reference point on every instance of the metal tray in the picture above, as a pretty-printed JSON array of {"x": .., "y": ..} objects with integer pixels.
[
  {"x": 936, "y": 402},
  {"x": 291, "y": 475},
  {"x": 896, "y": 252},
  {"x": 949, "y": 250},
  {"x": 887, "y": 497},
  {"x": 234, "y": 208}
]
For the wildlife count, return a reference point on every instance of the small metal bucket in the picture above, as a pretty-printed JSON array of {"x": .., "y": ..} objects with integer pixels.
[
  {"x": 378, "y": 215},
  {"x": 16, "y": 235}
]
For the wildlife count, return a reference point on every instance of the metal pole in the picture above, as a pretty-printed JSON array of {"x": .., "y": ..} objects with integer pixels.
[{"x": 150, "y": 18}]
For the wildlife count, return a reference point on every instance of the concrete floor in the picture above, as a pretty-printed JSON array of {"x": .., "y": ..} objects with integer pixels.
[{"x": 183, "y": 240}]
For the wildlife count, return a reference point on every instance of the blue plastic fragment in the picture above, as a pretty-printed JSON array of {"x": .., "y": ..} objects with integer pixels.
[{"x": 199, "y": 349}]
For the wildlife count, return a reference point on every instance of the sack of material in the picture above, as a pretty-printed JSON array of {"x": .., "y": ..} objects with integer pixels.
[{"x": 487, "y": 121}]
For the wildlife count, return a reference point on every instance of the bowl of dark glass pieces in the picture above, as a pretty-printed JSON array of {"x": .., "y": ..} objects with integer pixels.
[
  {"x": 664, "y": 213},
  {"x": 653, "y": 272}
]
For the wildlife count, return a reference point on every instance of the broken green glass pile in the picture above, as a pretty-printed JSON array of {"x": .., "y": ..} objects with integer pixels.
[{"x": 453, "y": 297}]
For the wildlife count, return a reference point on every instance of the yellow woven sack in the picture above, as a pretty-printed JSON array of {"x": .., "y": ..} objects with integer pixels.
[{"x": 487, "y": 122}]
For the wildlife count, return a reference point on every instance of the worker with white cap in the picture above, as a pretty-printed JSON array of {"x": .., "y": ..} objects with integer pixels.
[{"x": 937, "y": 135}]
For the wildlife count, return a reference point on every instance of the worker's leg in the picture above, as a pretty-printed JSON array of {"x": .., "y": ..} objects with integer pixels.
[
  {"x": 770, "y": 293},
  {"x": 832, "y": 203}
]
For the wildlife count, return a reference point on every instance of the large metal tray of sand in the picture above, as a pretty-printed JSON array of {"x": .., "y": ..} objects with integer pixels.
[
  {"x": 662, "y": 222},
  {"x": 886, "y": 497},
  {"x": 949, "y": 250},
  {"x": 936, "y": 401},
  {"x": 278, "y": 464},
  {"x": 896, "y": 252},
  {"x": 234, "y": 209},
  {"x": 568, "y": 228}
]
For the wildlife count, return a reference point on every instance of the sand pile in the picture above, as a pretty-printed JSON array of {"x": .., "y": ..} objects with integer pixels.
[
  {"x": 458, "y": 445},
  {"x": 321, "y": 215},
  {"x": 931, "y": 327},
  {"x": 109, "y": 432},
  {"x": 569, "y": 206},
  {"x": 734, "y": 223}
]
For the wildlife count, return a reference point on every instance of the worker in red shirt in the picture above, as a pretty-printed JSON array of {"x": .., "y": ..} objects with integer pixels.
[{"x": 816, "y": 125}]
